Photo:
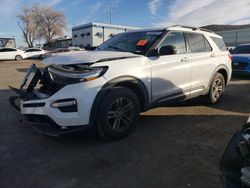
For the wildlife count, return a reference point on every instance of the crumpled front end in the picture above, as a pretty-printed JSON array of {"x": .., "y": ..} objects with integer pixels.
[{"x": 60, "y": 97}]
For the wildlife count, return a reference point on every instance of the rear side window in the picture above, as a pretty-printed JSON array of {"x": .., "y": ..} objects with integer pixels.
[
  {"x": 177, "y": 40},
  {"x": 7, "y": 50},
  {"x": 10, "y": 50},
  {"x": 220, "y": 43},
  {"x": 33, "y": 50},
  {"x": 198, "y": 43}
]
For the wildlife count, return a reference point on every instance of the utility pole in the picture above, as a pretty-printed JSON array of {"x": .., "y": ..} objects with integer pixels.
[{"x": 110, "y": 11}]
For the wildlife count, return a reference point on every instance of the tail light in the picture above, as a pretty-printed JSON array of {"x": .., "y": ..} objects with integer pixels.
[{"x": 230, "y": 57}]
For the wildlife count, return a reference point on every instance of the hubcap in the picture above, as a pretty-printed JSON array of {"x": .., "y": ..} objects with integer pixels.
[
  {"x": 217, "y": 88},
  {"x": 120, "y": 114}
]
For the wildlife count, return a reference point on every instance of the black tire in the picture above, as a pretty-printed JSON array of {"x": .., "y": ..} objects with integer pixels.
[
  {"x": 216, "y": 89},
  {"x": 18, "y": 58},
  {"x": 118, "y": 113}
]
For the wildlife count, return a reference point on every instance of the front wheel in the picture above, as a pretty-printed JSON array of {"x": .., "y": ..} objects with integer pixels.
[
  {"x": 118, "y": 113},
  {"x": 217, "y": 88},
  {"x": 18, "y": 58}
]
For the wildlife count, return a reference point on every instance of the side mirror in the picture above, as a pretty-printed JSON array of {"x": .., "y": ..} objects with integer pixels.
[{"x": 167, "y": 50}]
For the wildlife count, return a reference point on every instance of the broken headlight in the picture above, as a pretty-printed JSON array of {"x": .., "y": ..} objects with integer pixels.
[{"x": 76, "y": 73}]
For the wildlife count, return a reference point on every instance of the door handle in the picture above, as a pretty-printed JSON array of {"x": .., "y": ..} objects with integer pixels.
[
  {"x": 213, "y": 55},
  {"x": 185, "y": 59}
]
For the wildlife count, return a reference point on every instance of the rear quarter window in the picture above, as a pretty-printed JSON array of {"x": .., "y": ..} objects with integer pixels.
[{"x": 220, "y": 43}]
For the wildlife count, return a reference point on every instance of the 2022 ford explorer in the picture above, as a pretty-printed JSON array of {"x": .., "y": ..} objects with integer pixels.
[{"x": 128, "y": 74}]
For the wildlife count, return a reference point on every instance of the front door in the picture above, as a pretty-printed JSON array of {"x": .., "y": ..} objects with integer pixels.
[{"x": 171, "y": 74}]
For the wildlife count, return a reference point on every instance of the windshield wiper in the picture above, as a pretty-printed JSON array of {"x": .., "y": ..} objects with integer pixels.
[{"x": 116, "y": 48}]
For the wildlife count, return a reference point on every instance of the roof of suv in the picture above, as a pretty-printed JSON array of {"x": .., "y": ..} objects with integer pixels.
[{"x": 180, "y": 28}]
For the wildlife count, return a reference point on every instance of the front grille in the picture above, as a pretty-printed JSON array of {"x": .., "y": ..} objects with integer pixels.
[{"x": 239, "y": 65}]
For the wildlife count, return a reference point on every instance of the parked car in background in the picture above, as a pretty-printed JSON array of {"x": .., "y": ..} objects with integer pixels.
[
  {"x": 34, "y": 52},
  {"x": 130, "y": 73},
  {"x": 12, "y": 54},
  {"x": 241, "y": 59}
]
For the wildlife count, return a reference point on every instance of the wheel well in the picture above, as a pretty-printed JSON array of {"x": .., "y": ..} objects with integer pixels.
[
  {"x": 137, "y": 90},
  {"x": 18, "y": 55},
  {"x": 135, "y": 85},
  {"x": 224, "y": 73}
]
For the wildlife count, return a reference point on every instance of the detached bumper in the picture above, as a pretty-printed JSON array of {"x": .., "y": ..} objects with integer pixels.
[
  {"x": 55, "y": 108},
  {"x": 82, "y": 93},
  {"x": 57, "y": 115},
  {"x": 46, "y": 126}
]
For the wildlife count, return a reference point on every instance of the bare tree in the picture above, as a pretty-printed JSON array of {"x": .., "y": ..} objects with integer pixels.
[
  {"x": 28, "y": 25},
  {"x": 41, "y": 22},
  {"x": 51, "y": 23}
]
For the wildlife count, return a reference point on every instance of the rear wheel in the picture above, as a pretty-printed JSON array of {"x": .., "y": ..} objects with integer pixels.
[
  {"x": 217, "y": 88},
  {"x": 118, "y": 113},
  {"x": 18, "y": 58}
]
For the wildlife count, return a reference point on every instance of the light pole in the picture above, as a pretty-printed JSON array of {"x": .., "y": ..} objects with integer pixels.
[{"x": 110, "y": 11}]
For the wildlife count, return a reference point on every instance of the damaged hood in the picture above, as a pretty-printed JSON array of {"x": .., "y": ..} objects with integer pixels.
[{"x": 81, "y": 57}]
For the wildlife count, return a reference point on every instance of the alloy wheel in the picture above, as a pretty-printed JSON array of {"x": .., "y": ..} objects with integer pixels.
[
  {"x": 217, "y": 88},
  {"x": 120, "y": 114}
]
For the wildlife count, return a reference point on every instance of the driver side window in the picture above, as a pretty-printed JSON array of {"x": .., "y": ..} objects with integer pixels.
[{"x": 177, "y": 40}]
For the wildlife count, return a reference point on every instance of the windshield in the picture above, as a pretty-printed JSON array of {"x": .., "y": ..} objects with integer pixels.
[
  {"x": 242, "y": 50},
  {"x": 135, "y": 42}
]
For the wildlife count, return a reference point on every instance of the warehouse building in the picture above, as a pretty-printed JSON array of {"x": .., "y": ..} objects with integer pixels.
[
  {"x": 93, "y": 34},
  {"x": 236, "y": 36},
  {"x": 7, "y": 42},
  {"x": 59, "y": 43}
]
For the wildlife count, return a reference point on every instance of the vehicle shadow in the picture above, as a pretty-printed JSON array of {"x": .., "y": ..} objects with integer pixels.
[{"x": 236, "y": 98}]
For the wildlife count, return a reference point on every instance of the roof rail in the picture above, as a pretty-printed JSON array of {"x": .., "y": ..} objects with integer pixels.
[{"x": 193, "y": 28}]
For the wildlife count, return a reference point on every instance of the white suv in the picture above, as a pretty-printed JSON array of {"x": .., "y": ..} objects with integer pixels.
[{"x": 132, "y": 72}]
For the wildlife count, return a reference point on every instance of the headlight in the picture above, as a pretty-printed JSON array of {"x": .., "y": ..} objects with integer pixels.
[{"x": 85, "y": 74}]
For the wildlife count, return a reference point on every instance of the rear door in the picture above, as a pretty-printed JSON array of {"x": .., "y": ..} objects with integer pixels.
[
  {"x": 202, "y": 60},
  {"x": 171, "y": 74},
  {"x": 29, "y": 53},
  {"x": 36, "y": 52}
]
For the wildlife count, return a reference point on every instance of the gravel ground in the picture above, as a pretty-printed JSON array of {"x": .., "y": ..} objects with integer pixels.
[{"x": 176, "y": 146}]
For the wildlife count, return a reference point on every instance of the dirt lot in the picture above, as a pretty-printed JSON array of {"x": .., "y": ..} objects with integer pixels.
[{"x": 178, "y": 146}]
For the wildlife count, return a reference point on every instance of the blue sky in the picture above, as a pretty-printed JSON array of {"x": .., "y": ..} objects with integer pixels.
[{"x": 140, "y": 13}]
